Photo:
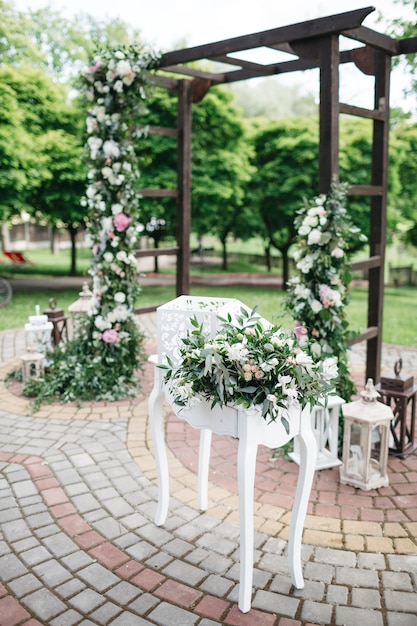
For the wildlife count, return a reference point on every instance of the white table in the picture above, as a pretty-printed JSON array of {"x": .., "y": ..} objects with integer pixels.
[{"x": 251, "y": 430}]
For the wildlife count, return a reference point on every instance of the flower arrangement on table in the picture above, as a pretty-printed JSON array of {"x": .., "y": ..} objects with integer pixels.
[
  {"x": 317, "y": 297},
  {"x": 249, "y": 363}
]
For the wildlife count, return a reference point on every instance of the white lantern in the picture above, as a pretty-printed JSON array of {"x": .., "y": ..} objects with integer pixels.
[
  {"x": 365, "y": 441},
  {"x": 39, "y": 332},
  {"x": 81, "y": 307},
  {"x": 32, "y": 364}
]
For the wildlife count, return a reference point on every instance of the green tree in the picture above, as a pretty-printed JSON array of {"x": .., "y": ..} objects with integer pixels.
[
  {"x": 404, "y": 166},
  {"x": 286, "y": 169}
]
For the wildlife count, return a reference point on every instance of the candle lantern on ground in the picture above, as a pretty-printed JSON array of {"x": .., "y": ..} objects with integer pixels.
[
  {"x": 59, "y": 322},
  {"x": 365, "y": 441},
  {"x": 399, "y": 392},
  {"x": 81, "y": 307},
  {"x": 39, "y": 332},
  {"x": 32, "y": 364}
]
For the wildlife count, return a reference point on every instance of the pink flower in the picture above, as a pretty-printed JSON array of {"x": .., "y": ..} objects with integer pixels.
[
  {"x": 110, "y": 336},
  {"x": 121, "y": 222}
]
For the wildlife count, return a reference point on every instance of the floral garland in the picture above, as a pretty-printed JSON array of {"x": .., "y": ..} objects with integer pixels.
[
  {"x": 249, "y": 363},
  {"x": 317, "y": 297}
]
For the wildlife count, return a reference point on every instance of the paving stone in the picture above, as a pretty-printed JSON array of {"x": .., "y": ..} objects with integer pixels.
[
  {"x": 123, "y": 593},
  {"x": 141, "y": 551},
  {"x": 60, "y": 545},
  {"x": 169, "y": 615},
  {"x": 154, "y": 534},
  {"x": 129, "y": 619},
  {"x": 350, "y": 616},
  {"x": 316, "y": 612},
  {"x": 400, "y": 581},
  {"x": 187, "y": 574},
  {"x": 211, "y": 541},
  {"x": 98, "y": 577},
  {"x": 401, "y": 619},
  {"x": 11, "y": 567},
  {"x": 337, "y": 594},
  {"x": 144, "y": 604},
  {"x": 14, "y": 531},
  {"x": 70, "y": 588},
  {"x": 319, "y": 571},
  {"x": 158, "y": 561},
  {"x": 312, "y": 590},
  {"x": 35, "y": 555},
  {"x": 52, "y": 573},
  {"x": 216, "y": 585},
  {"x": 69, "y": 618},
  {"x": 105, "y": 613},
  {"x": 371, "y": 561},
  {"x": 86, "y": 601},
  {"x": 24, "y": 585},
  {"x": 216, "y": 564},
  {"x": 340, "y": 558},
  {"x": 275, "y": 603},
  {"x": 356, "y": 577},
  {"x": 44, "y": 604},
  {"x": 400, "y": 600},
  {"x": 77, "y": 560},
  {"x": 25, "y": 544},
  {"x": 366, "y": 598},
  {"x": 178, "y": 547}
]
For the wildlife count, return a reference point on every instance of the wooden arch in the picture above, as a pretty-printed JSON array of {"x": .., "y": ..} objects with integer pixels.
[{"x": 311, "y": 44}]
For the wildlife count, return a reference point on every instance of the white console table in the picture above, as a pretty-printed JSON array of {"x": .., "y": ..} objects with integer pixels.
[{"x": 251, "y": 430}]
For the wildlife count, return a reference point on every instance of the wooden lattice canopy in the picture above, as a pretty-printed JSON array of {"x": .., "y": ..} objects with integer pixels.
[{"x": 311, "y": 44}]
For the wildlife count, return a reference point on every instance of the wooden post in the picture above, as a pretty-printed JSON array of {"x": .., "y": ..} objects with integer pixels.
[
  {"x": 184, "y": 186},
  {"x": 378, "y": 217},
  {"x": 329, "y": 112}
]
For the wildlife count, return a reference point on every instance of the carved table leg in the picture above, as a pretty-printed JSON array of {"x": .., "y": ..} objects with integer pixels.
[
  {"x": 156, "y": 419},
  {"x": 308, "y": 455},
  {"x": 203, "y": 468},
  {"x": 247, "y": 451}
]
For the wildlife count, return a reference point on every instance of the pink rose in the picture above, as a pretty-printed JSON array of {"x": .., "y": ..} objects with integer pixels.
[
  {"x": 121, "y": 222},
  {"x": 110, "y": 336}
]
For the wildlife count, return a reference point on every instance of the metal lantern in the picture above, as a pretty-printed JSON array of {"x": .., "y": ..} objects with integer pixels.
[
  {"x": 365, "y": 441},
  {"x": 39, "y": 332},
  {"x": 81, "y": 307},
  {"x": 399, "y": 392},
  {"x": 59, "y": 322},
  {"x": 32, "y": 364}
]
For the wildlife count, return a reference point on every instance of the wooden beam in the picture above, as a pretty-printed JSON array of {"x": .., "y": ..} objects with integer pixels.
[
  {"x": 303, "y": 30},
  {"x": 350, "y": 109},
  {"x": 154, "y": 252},
  {"x": 158, "y": 193},
  {"x": 366, "y": 264},
  {"x": 407, "y": 46},
  {"x": 369, "y": 333},
  {"x": 365, "y": 190},
  {"x": 374, "y": 39}
]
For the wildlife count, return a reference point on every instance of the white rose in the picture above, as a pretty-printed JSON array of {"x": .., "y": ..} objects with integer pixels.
[
  {"x": 120, "y": 297},
  {"x": 303, "y": 358},
  {"x": 116, "y": 209},
  {"x": 314, "y": 236},
  {"x": 111, "y": 149},
  {"x": 330, "y": 369},
  {"x": 316, "y": 306},
  {"x": 337, "y": 253},
  {"x": 108, "y": 257}
]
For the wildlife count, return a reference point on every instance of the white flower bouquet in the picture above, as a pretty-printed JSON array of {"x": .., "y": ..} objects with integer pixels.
[{"x": 249, "y": 363}]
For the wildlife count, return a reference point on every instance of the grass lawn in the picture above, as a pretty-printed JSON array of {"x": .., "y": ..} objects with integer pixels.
[{"x": 399, "y": 326}]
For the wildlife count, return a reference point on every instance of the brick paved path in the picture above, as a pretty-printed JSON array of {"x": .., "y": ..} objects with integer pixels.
[{"x": 78, "y": 545}]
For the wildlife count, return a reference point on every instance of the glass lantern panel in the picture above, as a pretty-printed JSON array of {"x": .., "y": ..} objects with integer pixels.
[
  {"x": 376, "y": 443},
  {"x": 356, "y": 450}
]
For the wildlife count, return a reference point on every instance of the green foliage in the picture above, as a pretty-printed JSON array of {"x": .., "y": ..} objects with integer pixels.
[
  {"x": 249, "y": 363},
  {"x": 90, "y": 370},
  {"x": 318, "y": 296}
]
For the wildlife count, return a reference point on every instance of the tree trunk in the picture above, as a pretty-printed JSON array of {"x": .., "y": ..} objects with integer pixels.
[
  {"x": 224, "y": 255},
  {"x": 54, "y": 240},
  {"x": 5, "y": 236},
  {"x": 73, "y": 234},
  {"x": 268, "y": 256},
  {"x": 155, "y": 263},
  {"x": 285, "y": 268}
]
